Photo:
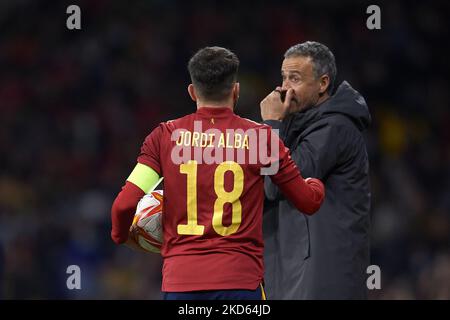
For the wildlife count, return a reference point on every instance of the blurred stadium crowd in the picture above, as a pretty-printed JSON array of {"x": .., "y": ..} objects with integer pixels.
[{"x": 75, "y": 107}]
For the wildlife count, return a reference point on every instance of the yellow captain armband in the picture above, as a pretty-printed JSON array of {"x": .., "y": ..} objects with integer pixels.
[{"x": 144, "y": 177}]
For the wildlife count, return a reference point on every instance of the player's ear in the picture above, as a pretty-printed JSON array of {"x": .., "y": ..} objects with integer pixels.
[
  {"x": 236, "y": 91},
  {"x": 191, "y": 91}
]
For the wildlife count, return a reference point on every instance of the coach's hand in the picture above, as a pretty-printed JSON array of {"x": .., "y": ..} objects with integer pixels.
[{"x": 273, "y": 108}]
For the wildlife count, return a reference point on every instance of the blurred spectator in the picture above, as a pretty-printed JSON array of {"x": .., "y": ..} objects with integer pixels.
[{"x": 2, "y": 264}]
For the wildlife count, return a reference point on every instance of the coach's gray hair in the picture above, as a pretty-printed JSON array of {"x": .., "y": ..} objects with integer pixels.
[{"x": 322, "y": 58}]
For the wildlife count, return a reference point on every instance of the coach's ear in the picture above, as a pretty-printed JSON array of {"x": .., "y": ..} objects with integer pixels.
[
  {"x": 324, "y": 83},
  {"x": 191, "y": 91}
]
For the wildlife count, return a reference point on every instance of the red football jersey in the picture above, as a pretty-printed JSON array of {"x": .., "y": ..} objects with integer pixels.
[{"x": 211, "y": 161}]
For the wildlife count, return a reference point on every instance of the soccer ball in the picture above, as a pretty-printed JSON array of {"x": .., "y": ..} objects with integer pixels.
[{"x": 147, "y": 228}]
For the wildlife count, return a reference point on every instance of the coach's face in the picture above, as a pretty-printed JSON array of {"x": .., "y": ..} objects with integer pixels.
[{"x": 298, "y": 74}]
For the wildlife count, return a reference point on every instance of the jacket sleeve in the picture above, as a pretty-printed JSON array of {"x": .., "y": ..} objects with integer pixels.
[
  {"x": 306, "y": 195},
  {"x": 270, "y": 189},
  {"x": 315, "y": 155}
]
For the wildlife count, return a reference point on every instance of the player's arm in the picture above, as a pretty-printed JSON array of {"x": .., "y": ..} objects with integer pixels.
[
  {"x": 142, "y": 180},
  {"x": 305, "y": 194}
]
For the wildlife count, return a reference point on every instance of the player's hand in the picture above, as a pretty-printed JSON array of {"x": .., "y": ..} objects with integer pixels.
[
  {"x": 318, "y": 186},
  {"x": 273, "y": 108},
  {"x": 131, "y": 242}
]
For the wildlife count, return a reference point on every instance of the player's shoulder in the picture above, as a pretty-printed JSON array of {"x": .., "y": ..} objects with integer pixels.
[
  {"x": 171, "y": 125},
  {"x": 250, "y": 124}
]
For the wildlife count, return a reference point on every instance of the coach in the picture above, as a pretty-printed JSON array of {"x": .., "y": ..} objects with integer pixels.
[{"x": 324, "y": 256}]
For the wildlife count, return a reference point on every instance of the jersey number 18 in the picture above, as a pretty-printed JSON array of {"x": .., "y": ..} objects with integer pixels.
[{"x": 192, "y": 227}]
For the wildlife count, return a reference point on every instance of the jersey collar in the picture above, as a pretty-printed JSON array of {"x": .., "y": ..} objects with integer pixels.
[{"x": 214, "y": 111}]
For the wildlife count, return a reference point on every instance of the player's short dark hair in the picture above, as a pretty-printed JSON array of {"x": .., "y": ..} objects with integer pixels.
[
  {"x": 322, "y": 58},
  {"x": 213, "y": 72}
]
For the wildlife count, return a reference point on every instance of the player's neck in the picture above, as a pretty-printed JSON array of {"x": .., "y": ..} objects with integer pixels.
[{"x": 207, "y": 104}]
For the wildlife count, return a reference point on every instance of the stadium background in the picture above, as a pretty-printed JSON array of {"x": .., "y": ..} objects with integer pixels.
[{"x": 76, "y": 105}]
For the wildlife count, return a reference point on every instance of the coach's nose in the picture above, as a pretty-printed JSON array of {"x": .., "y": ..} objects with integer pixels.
[{"x": 285, "y": 85}]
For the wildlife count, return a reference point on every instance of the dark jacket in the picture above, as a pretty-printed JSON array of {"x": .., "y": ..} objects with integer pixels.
[{"x": 323, "y": 256}]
